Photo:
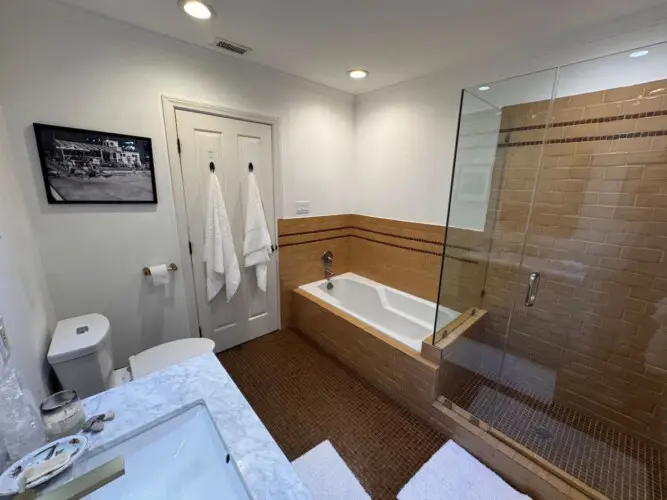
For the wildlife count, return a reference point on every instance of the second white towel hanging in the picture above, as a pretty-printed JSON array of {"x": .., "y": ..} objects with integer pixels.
[{"x": 256, "y": 239}]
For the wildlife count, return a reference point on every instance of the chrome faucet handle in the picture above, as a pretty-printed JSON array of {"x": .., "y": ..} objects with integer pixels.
[{"x": 327, "y": 259}]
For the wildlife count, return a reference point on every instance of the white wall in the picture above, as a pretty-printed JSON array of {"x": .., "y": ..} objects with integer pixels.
[
  {"x": 406, "y": 134},
  {"x": 61, "y": 65},
  {"x": 24, "y": 301}
]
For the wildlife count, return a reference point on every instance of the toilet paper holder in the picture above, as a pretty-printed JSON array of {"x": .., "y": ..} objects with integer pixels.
[{"x": 171, "y": 267}]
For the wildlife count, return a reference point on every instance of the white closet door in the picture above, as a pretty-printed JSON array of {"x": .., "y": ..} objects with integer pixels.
[{"x": 231, "y": 145}]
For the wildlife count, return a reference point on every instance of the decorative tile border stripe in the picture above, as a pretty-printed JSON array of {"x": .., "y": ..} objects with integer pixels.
[
  {"x": 314, "y": 231},
  {"x": 402, "y": 247},
  {"x": 283, "y": 245},
  {"x": 631, "y": 135},
  {"x": 586, "y": 121},
  {"x": 409, "y": 238},
  {"x": 459, "y": 247}
]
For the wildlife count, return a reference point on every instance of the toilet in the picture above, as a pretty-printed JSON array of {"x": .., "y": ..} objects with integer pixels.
[{"x": 80, "y": 353}]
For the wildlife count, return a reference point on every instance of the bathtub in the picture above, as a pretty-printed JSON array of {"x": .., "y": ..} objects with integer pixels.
[{"x": 404, "y": 317}]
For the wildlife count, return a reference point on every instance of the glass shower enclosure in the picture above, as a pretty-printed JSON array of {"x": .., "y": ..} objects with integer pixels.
[{"x": 556, "y": 235}]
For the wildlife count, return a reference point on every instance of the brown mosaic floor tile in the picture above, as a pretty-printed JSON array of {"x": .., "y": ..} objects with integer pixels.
[
  {"x": 614, "y": 463},
  {"x": 305, "y": 397}
]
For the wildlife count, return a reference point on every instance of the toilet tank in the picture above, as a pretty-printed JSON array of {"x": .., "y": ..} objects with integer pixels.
[{"x": 80, "y": 354}]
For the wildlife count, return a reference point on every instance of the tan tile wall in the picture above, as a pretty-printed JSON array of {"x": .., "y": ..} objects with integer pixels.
[
  {"x": 598, "y": 235},
  {"x": 463, "y": 278},
  {"x": 452, "y": 375},
  {"x": 301, "y": 243},
  {"x": 393, "y": 368},
  {"x": 403, "y": 255}
]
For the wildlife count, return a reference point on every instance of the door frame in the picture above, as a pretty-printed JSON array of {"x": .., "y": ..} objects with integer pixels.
[{"x": 169, "y": 107}]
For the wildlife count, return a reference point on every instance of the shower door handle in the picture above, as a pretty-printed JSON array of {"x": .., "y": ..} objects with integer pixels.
[{"x": 531, "y": 295}]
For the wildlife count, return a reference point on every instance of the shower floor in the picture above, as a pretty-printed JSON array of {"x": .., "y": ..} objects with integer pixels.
[{"x": 616, "y": 464}]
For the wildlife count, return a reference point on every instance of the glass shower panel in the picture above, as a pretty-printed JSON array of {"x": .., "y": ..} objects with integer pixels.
[
  {"x": 466, "y": 242},
  {"x": 489, "y": 207},
  {"x": 591, "y": 349}
]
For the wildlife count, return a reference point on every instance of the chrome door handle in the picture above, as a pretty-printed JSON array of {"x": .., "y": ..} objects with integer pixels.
[{"x": 531, "y": 295}]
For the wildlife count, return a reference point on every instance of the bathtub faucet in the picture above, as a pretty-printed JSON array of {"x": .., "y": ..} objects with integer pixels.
[{"x": 327, "y": 263}]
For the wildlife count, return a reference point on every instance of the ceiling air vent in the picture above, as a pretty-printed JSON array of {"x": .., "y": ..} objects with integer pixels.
[{"x": 236, "y": 48}]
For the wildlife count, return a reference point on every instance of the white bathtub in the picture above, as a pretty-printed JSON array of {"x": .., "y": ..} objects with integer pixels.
[{"x": 397, "y": 314}]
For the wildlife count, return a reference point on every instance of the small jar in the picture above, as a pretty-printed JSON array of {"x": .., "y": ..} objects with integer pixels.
[{"x": 62, "y": 414}]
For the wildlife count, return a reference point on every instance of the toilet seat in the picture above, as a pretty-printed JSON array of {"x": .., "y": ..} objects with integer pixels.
[{"x": 161, "y": 356}]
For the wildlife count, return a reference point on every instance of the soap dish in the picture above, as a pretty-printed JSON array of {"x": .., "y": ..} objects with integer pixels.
[{"x": 74, "y": 446}]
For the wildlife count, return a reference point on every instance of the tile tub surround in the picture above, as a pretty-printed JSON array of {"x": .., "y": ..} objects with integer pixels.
[
  {"x": 301, "y": 243},
  {"x": 389, "y": 365},
  {"x": 402, "y": 255},
  {"x": 265, "y": 469}
]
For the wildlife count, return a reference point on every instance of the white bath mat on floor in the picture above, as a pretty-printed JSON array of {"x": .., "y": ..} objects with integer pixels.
[
  {"x": 327, "y": 477},
  {"x": 454, "y": 474}
]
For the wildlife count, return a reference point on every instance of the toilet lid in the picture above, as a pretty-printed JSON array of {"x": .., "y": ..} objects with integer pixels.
[
  {"x": 77, "y": 337},
  {"x": 164, "y": 355}
]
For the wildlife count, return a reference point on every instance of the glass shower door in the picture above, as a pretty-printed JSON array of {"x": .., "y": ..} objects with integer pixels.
[
  {"x": 492, "y": 191},
  {"x": 583, "y": 379}
]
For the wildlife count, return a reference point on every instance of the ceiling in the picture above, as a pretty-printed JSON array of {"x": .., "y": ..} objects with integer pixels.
[
  {"x": 594, "y": 75},
  {"x": 395, "y": 40}
]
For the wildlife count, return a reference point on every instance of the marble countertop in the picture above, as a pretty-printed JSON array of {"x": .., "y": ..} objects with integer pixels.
[{"x": 265, "y": 469}]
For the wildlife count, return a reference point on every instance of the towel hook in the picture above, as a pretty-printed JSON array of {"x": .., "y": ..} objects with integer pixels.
[
  {"x": 211, "y": 167},
  {"x": 250, "y": 167}
]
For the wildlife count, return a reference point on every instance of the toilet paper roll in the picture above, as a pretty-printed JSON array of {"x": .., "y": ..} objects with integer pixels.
[{"x": 160, "y": 275}]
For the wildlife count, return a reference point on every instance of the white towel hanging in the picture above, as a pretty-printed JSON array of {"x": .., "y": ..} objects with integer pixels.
[
  {"x": 257, "y": 239},
  {"x": 222, "y": 266}
]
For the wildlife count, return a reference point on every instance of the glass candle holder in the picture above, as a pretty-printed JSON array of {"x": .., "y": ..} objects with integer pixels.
[{"x": 62, "y": 414}]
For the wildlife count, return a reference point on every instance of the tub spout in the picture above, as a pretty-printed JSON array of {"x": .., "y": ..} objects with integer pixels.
[{"x": 327, "y": 263}]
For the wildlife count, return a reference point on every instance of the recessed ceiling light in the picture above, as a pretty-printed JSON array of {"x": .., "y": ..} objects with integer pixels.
[
  {"x": 484, "y": 88},
  {"x": 639, "y": 53},
  {"x": 196, "y": 9},
  {"x": 357, "y": 74}
]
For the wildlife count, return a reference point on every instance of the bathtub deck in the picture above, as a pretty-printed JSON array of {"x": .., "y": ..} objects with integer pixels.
[{"x": 304, "y": 397}]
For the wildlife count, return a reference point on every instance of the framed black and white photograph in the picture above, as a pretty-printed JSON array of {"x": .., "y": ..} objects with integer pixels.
[{"x": 85, "y": 166}]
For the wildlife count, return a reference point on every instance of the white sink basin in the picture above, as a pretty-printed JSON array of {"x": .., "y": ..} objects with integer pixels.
[{"x": 183, "y": 457}]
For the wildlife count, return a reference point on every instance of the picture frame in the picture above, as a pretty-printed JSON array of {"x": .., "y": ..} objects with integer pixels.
[{"x": 81, "y": 166}]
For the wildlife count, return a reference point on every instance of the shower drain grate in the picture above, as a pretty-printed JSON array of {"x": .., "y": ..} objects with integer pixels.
[{"x": 543, "y": 432}]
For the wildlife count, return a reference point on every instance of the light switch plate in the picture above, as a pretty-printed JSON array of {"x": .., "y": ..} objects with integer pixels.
[{"x": 302, "y": 207}]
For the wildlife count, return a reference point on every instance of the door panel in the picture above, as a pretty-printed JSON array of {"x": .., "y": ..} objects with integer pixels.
[{"x": 231, "y": 145}]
